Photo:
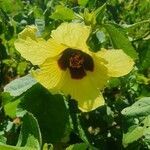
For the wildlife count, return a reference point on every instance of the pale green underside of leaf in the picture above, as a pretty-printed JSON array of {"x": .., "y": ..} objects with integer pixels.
[
  {"x": 139, "y": 108},
  {"x": 20, "y": 85}
]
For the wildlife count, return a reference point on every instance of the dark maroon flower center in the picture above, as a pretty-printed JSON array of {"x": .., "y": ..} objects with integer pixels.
[{"x": 77, "y": 62}]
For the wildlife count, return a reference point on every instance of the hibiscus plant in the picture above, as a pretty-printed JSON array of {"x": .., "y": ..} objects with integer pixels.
[{"x": 74, "y": 75}]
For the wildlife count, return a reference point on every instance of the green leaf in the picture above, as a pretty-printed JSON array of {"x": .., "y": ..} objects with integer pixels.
[
  {"x": 38, "y": 12},
  {"x": 21, "y": 68},
  {"x": 81, "y": 146},
  {"x": 62, "y": 13},
  {"x": 9, "y": 104},
  {"x": 19, "y": 86},
  {"x": 7, "y": 147},
  {"x": 45, "y": 147},
  {"x": 143, "y": 129},
  {"x": 120, "y": 41},
  {"x": 30, "y": 137},
  {"x": 114, "y": 82},
  {"x": 99, "y": 13},
  {"x": 3, "y": 139},
  {"x": 132, "y": 136},
  {"x": 94, "y": 43},
  {"x": 83, "y": 2},
  {"x": 7, "y": 6},
  {"x": 137, "y": 25},
  {"x": 6, "y": 98},
  {"x": 139, "y": 108},
  {"x": 50, "y": 111},
  {"x": 10, "y": 108},
  {"x": 147, "y": 141},
  {"x": 9, "y": 32}
]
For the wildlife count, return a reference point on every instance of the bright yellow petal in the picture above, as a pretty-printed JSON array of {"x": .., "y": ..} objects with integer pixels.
[
  {"x": 55, "y": 48},
  {"x": 97, "y": 79},
  {"x": 90, "y": 105},
  {"x": 86, "y": 90},
  {"x": 82, "y": 90},
  {"x": 99, "y": 76},
  {"x": 118, "y": 63},
  {"x": 49, "y": 74},
  {"x": 36, "y": 50},
  {"x": 73, "y": 35}
]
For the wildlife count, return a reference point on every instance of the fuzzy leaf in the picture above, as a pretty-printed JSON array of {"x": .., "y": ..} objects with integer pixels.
[
  {"x": 139, "y": 108},
  {"x": 19, "y": 86}
]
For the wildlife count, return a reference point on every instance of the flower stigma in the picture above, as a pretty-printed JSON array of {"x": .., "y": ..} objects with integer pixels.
[{"x": 77, "y": 62}]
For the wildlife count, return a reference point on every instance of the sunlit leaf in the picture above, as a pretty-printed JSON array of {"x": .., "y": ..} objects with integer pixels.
[
  {"x": 139, "y": 108},
  {"x": 120, "y": 41},
  {"x": 21, "y": 68},
  {"x": 62, "y": 13},
  {"x": 81, "y": 146},
  {"x": 82, "y": 2},
  {"x": 133, "y": 135},
  {"x": 143, "y": 129},
  {"x": 10, "y": 108}
]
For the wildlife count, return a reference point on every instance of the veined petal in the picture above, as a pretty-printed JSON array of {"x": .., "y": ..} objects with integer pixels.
[
  {"x": 73, "y": 35},
  {"x": 97, "y": 79},
  {"x": 99, "y": 76},
  {"x": 118, "y": 63},
  {"x": 49, "y": 74},
  {"x": 34, "y": 49},
  {"x": 82, "y": 90},
  {"x": 55, "y": 48}
]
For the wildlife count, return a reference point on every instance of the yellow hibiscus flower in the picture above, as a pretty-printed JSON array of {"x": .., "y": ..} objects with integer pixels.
[{"x": 66, "y": 64}]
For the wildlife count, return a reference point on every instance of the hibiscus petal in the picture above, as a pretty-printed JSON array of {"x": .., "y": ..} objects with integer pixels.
[
  {"x": 34, "y": 49},
  {"x": 73, "y": 35},
  {"x": 90, "y": 105},
  {"x": 118, "y": 63},
  {"x": 83, "y": 91},
  {"x": 49, "y": 74}
]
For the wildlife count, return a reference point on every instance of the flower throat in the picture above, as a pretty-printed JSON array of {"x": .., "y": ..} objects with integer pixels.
[{"x": 77, "y": 62}]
